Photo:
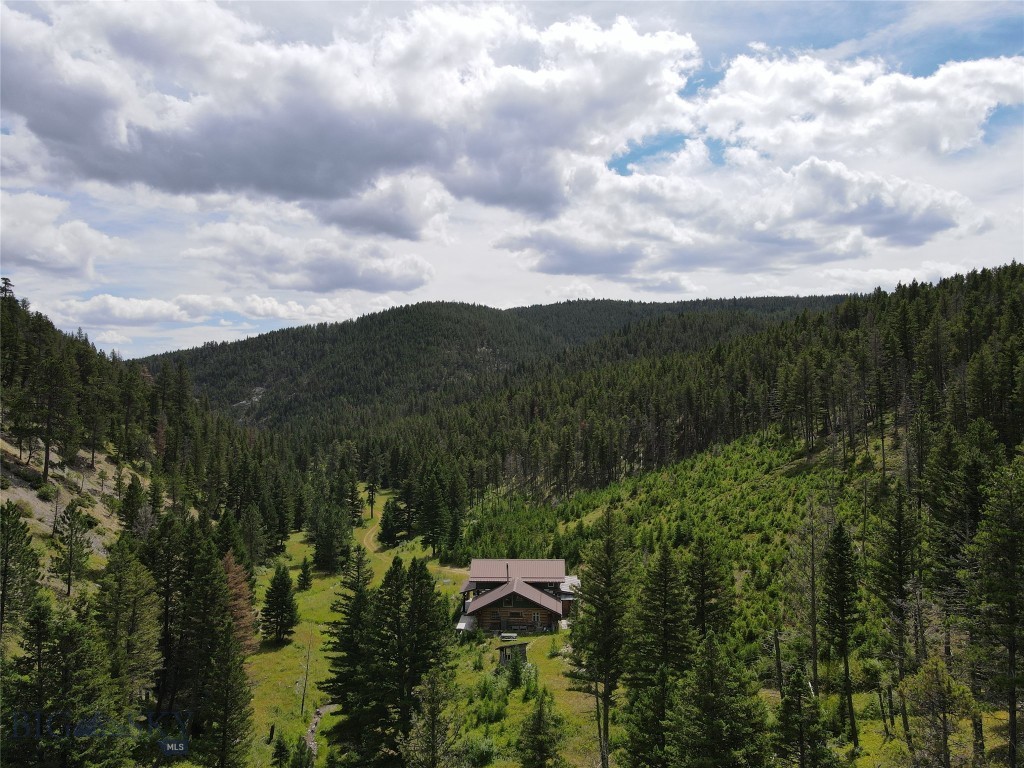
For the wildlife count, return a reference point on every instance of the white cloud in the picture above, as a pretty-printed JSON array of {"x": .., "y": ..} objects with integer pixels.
[
  {"x": 322, "y": 263},
  {"x": 201, "y": 306},
  {"x": 793, "y": 107},
  {"x": 106, "y": 310},
  {"x": 113, "y": 338},
  {"x": 36, "y": 234},
  {"x": 865, "y": 280},
  {"x": 477, "y": 95},
  {"x": 577, "y": 289},
  {"x": 749, "y": 214}
]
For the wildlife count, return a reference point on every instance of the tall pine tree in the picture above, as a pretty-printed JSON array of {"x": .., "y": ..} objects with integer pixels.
[
  {"x": 280, "y": 611},
  {"x": 598, "y": 632},
  {"x": 840, "y": 609},
  {"x": 659, "y": 645}
]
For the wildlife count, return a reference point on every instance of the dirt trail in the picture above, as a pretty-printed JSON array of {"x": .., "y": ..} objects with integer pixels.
[{"x": 310, "y": 736}]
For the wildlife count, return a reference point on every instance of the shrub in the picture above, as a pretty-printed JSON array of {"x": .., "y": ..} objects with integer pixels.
[
  {"x": 47, "y": 492},
  {"x": 479, "y": 752}
]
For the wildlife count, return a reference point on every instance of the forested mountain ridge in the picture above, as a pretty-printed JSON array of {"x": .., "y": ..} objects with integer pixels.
[{"x": 410, "y": 359}]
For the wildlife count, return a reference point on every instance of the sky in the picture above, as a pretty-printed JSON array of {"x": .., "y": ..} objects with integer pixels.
[{"x": 173, "y": 174}]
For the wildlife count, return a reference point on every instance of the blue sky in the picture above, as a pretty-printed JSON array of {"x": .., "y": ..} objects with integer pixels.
[{"x": 178, "y": 173}]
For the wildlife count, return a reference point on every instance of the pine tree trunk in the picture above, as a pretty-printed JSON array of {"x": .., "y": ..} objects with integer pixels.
[
  {"x": 848, "y": 685},
  {"x": 1012, "y": 700},
  {"x": 881, "y": 709},
  {"x": 606, "y": 695},
  {"x": 814, "y": 615}
]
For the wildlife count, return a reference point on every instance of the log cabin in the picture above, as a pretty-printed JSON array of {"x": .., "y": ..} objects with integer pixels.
[{"x": 516, "y": 595}]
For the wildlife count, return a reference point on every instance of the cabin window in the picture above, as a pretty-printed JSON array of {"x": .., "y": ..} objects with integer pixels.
[
  {"x": 536, "y": 617},
  {"x": 507, "y": 602}
]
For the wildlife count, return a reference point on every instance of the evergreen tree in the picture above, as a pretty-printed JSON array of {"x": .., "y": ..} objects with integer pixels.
[
  {"x": 71, "y": 534},
  {"x": 896, "y": 565},
  {"x": 350, "y": 649},
  {"x": 240, "y": 604},
  {"x": 127, "y": 611},
  {"x": 802, "y": 739},
  {"x": 840, "y": 609},
  {"x": 659, "y": 645},
  {"x": 598, "y": 632},
  {"x": 332, "y": 532},
  {"x": 280, "y": 612},
  {"x": 19, "y": 567},
  {"x": 710, "y": 582},
  {"x": 156, "y": 495},
  {"x": 164, "y": 555},
  {"x": 435, "y": 518},
  {"x": 302, "y": 756},
  {"x": 716, "y": 721},
  {"x": 132, "y": 504},
  {"x": 227, "y": 709},
  {"x": 373, "y": 468},
  {"x": 410, "y": 635},
  {"x": 428, "y": 633},
  {"x": 282, "y": 755},
  {"x": 305, "y": 580},
  {"x": 204, "y": 614},
  {"x": 432, "y": 741},
  {"x": 380, "y": 736},
  {"x": 998, "y": 551},
  {"x": 938, "y": 704},
  {"x": 541, "y": 734},
  {"x": 390, "y": 524},
  {"x": 62, "y": 676},
  {"x": 253, "y": 534},
  {"x": 229, "y": 539},
  {"x": 55, "y": 412}
]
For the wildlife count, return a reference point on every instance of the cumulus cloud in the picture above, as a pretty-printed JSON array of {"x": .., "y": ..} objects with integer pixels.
[
  {"x": 114, "y": 313},
  {"x": 113, "y": 338},
  {"x": 478, "y": 96},
  {"x": 649, "y": 228},
  {"x": 402, "y": 206},
  {"x": 321, "y": 264},
  {"x": 37, "y": 234},
  {"x": 577, "y": 289},
  {"x": 864, "y": 280},
  {"x": 792, "y": 107},
  {"x": 105, "y": 309}
]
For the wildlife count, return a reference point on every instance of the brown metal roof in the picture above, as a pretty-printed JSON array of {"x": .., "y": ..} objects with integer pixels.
[
  {"x": 520, "y": 588},
  {"x": 530, "y": 570}
]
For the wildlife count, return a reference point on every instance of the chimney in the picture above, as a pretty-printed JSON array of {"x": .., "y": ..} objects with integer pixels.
[{"x": 506, "y": 573}]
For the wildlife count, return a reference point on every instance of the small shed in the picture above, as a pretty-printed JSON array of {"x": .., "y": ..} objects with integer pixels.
[{"x": 505, "y": 652}]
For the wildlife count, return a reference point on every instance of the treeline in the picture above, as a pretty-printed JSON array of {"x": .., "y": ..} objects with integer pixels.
[
  {"x": 389, "y": 382},
  {"x": 109, "y": 647}
]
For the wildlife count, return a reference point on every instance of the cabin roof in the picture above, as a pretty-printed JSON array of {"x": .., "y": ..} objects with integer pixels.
[
  {"x": 530, "y": 570},
  {"x": 521, "y": 588}
]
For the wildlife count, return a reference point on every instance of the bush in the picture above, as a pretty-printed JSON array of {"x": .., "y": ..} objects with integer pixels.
[
  {"x": 5, "y": 482},
  {"x": 555, "y": 648},
  {"x": 47, "y": 492},
  {"x": 479, "y": 752}
]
